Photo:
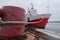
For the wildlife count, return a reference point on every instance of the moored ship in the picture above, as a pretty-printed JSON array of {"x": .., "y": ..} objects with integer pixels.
[{"x": 41, "y": 19}]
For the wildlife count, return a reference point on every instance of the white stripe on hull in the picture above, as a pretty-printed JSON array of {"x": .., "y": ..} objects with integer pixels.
[{"x": 38, "y": 16}]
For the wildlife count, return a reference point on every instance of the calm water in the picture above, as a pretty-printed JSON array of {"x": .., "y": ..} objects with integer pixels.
[{"x": 53, "y": 27}]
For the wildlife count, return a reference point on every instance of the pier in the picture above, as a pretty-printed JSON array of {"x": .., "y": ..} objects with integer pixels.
[{"x": 42, "y": 34}]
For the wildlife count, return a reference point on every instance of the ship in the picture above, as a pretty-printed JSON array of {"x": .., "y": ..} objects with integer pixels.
[{"x": 40, "y": 19}]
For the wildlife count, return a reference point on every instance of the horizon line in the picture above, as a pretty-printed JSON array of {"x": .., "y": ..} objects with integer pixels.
[{"x": 53, "y": 21}]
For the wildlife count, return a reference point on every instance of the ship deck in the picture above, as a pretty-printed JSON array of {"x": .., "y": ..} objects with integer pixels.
[{"x": 30, "y": 37}]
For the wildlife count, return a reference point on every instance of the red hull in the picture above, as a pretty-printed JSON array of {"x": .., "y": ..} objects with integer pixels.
[{"x": 42, "y": 24}]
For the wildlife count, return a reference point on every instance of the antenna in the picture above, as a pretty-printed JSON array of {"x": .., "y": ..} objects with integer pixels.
[
  {"x": 28, "y": 10},
  {"x": 32, "y": 6},
  {"x": 48, "y": 8}
]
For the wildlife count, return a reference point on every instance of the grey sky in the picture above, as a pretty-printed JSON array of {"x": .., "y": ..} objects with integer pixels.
[{"x": 39, "y": 5}]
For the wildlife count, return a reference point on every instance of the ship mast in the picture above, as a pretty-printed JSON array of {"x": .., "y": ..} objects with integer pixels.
[{"x": 30, "y": 11}]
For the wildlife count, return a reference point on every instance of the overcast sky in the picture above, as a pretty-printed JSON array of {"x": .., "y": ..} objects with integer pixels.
[{"x": 39, "y": 5}]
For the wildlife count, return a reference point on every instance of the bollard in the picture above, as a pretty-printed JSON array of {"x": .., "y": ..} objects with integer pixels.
[{"x": 13, "y": 13}]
